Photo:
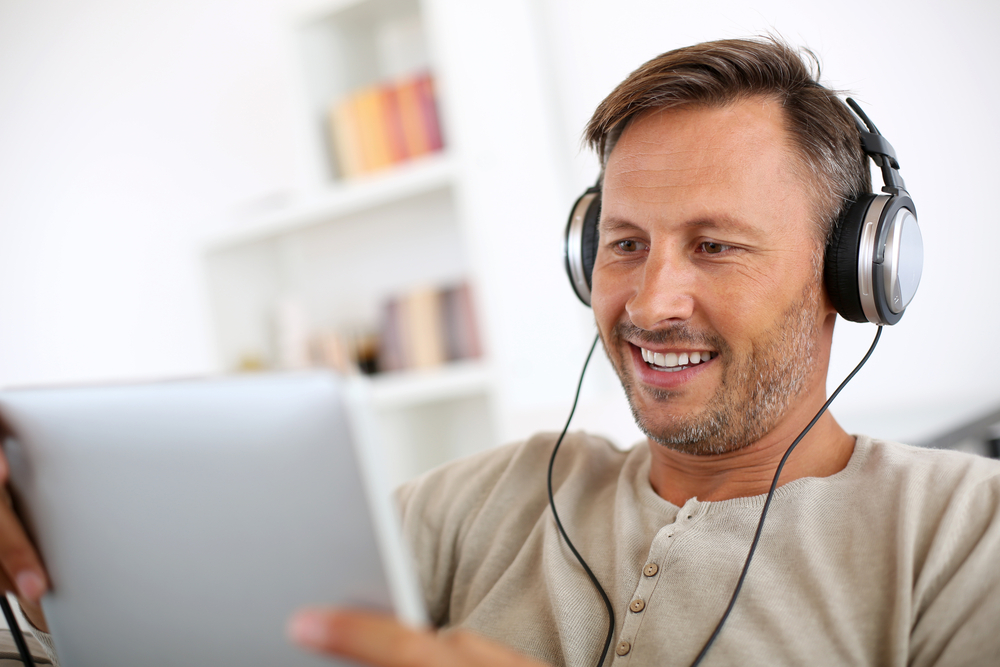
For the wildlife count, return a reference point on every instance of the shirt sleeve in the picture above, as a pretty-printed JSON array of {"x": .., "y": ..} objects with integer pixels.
[
  {"x": 957, "y": 593},
  {"x": 436, "y": 512}
]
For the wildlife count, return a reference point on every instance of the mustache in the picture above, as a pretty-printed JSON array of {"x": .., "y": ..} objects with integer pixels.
[{"x": 676, "y": 334}]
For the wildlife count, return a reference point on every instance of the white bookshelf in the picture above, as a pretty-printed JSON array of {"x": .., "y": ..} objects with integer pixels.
[
  {"x": 489, "y": 210},
  {"x": 330, "y": 256}
]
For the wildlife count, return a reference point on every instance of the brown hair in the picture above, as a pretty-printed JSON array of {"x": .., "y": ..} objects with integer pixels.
[{"x": 726, "y": 71}]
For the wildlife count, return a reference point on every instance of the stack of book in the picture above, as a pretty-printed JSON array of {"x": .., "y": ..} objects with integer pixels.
[
  {"x": 428, "y": 327},
  {"x": 383, "y": 125}
]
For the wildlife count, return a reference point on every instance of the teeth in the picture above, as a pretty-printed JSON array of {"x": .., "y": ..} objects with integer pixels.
[{"x": 673, "y": 359}]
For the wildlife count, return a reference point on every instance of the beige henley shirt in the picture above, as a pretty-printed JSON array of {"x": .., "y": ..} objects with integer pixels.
[{"x": 895, "y": 560}]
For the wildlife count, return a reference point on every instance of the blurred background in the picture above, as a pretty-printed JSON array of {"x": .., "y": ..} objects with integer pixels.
[{"x": 202, "y": 186}]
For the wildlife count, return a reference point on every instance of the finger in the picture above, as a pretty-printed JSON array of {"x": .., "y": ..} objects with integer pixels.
[
  {"x": 18, "y": 558},
  {"x": 32, "y": 610},
  {"x": 385, "y": 642},
  {"x": 372, "y": 639}
]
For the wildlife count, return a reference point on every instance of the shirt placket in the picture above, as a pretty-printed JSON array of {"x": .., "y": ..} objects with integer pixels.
[{"x": 652, "y": 572}]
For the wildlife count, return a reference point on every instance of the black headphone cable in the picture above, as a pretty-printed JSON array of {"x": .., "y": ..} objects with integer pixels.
[
  {"x": 770, "y": 495},
  {"x": 760, "y": 523},
  {"x": 555, "y": 514},
  {"x": 15, "y": 631}
]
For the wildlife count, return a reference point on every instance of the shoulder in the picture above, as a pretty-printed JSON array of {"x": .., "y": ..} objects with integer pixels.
[
  {"x": 947, "y": 516},
  {"x": 926, "y": 471},
  {"x": 518, "y": 469},
  {"x": 938, "y": 492}
]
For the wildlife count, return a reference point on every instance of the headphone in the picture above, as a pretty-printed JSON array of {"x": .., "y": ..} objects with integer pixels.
[{"x": 874, "y": 256}]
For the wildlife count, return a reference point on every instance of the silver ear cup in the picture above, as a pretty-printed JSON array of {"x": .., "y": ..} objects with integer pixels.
[
  {"x": 890, "y": 258},
  {"x": 903, "y": 260},
  {"x": 574, "y": 248},
  {"x": 867, "y": 256}
]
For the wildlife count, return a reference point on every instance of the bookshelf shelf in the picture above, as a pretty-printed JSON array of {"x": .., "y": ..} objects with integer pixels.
[
  {"x": 341, "y": 201},
  {"x": 407, "y": 389}
]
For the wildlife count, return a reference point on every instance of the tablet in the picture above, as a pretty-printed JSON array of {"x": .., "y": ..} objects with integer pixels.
[{"x": 182, "y": 523}]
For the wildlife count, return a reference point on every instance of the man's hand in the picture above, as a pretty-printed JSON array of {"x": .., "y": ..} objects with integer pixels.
[
  {"x": 374, "y": 639},
  {"x": 21, "y": 569}
]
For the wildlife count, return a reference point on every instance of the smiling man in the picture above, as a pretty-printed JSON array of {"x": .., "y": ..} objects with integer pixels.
[{"x": 726, "y": 170}]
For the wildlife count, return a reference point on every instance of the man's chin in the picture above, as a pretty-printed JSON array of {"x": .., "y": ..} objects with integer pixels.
[
  {"x": 689, "y": 433},
  {"x": 699, "y": 431}
]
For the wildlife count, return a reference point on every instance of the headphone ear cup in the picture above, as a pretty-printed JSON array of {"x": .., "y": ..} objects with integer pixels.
[
  {"x": 840, "y": 268},
  {"x": 581, "y": 241}
]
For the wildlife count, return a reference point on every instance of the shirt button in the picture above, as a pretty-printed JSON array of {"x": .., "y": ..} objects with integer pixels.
[
  {"x": 650, "y": 569},
  {"x": 637, "y": 605},
  {"x": 623, "y": 647}
]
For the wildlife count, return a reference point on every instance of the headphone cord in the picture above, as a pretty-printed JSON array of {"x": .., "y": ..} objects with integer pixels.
[
  {"x": 15, "y": 631},
  {"x": 760, "y": 523},
  {"x": 770, "y": 495},
  {"x": 552, "y": 504}
]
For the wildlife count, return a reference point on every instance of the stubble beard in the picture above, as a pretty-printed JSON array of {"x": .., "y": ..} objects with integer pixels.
[{"x": 755, "y": 390}]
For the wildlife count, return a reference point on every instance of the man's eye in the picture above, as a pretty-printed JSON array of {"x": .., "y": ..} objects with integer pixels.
[
  {"x": 713, "y": 248},
  {"x": 630, "y": 246}
]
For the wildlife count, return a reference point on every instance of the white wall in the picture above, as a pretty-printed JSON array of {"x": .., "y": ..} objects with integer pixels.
[
  {"x": 125, "y": 128},
  {"x": 129, "y": 127}
]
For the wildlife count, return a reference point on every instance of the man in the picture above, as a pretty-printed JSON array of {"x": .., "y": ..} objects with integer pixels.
[{"x": 725, "y": 167}]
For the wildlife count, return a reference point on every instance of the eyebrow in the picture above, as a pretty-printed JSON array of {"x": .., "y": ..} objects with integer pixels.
[{"x": 722, "y": 222}]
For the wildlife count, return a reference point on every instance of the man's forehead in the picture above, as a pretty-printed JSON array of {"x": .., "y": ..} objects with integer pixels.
[
  {"x": 727, "y": 167},
  {"x": 700, "y": 138}
]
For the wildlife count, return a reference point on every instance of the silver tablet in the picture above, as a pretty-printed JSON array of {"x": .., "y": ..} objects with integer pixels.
[{"x": 183, "y": 522}]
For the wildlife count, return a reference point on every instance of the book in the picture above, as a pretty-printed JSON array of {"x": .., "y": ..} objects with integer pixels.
[
  {"x": 394, "y": 125},
  {"x": 371, "y": 122},
  {"x": 461, "y": 332},
  {"x": 428, "y": 112},
  {"x": 411, "y": 118},
  {"x": 392, "y": 352},
  {"x": 427, "y": 327},
  {"x": 422, "y": 328},
  {"x": 346, "y": 138},
  {"x": 383, "y": 125}
]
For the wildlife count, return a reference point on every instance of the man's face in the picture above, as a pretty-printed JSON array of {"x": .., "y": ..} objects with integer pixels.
[{"x": 706, "y": 287}]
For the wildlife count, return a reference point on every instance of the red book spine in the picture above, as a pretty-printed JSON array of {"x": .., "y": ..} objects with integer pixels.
[{"x": 429, "y": 112}]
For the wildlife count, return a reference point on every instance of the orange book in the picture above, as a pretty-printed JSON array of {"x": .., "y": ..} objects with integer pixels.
[
  {"x": 383, "y": 156},
  {"x": 370, "y": 118},
  {"x": 394, "y": 124}
]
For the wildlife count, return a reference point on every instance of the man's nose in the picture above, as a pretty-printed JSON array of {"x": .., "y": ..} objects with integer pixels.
[{"x": 664, "y": 293}]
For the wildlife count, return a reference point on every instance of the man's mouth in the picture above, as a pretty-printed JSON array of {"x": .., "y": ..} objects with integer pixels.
[{"x": 671, "y": 362}]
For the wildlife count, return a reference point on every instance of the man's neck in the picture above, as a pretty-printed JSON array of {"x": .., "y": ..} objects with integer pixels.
[{"x": 824, "y": 451}]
